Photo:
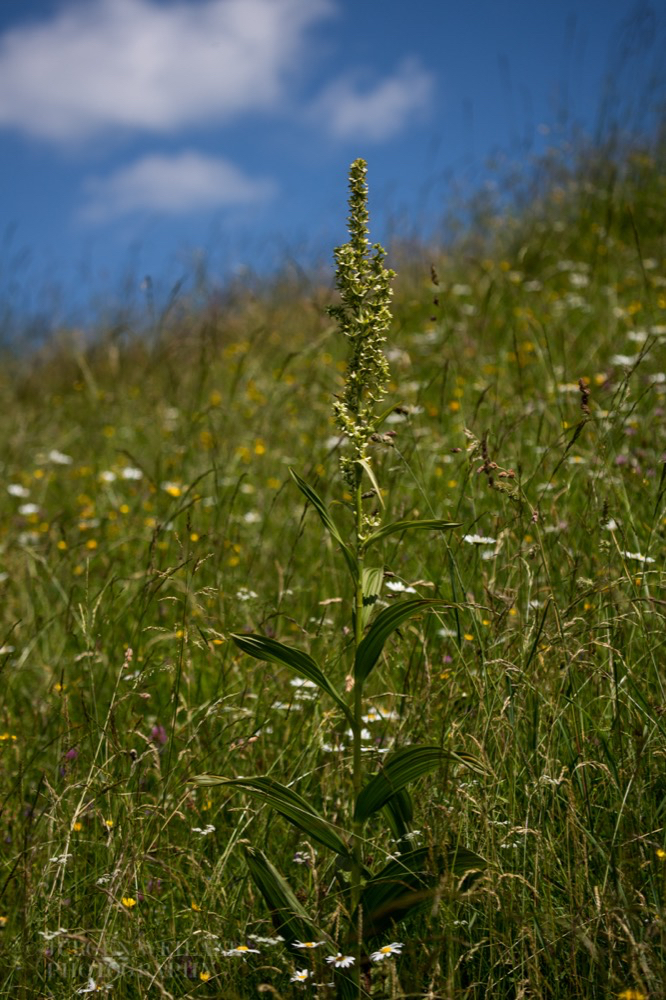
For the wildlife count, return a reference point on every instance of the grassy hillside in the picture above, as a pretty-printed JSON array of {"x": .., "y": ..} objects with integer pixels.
[{"x": 148, "y": 512}]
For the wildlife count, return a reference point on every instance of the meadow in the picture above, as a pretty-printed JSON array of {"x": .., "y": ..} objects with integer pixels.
[{"x": 149, "y": 513}]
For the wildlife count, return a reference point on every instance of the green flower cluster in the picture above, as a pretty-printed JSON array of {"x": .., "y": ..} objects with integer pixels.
[{"x": 364, "y": 317}]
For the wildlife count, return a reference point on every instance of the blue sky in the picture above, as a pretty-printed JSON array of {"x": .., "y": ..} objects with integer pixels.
[{"x": 139, "y": 137}]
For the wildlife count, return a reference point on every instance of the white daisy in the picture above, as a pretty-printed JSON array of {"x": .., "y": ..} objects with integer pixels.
[
  {"x": 638, "y": 557},
  {"x": 241, "y": 949},
  {"x": 389, "y": 949},
  {"x": 307, "y": 944},
  {"x": 340, "y": 961},
  {"x": 398, "y": 587},
  {"x": 300, "y": 976}
]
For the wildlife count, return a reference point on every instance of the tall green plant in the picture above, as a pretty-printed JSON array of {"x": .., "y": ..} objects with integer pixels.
[{"x": 374, "y": 901}]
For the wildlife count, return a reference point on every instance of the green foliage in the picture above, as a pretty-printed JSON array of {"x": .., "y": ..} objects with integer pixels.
[
  {"x": 288, "y": 803},
  {"x": 263, "y": 648},
  {"x": 363, "y": 319},
  {"x": 400, "y": 769},
  {"x": 148, "y": 512}
]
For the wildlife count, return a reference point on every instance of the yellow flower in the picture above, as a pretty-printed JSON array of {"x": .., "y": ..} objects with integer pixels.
[
  {"x": 661, "y": 854},
  {"x": 129, "y": 902},
  {"x": 3, "y": 922},
  {"x": 195, "y": 906},
  {"x": 631, "y": 994},
  {"x": 204, "y": 976}
]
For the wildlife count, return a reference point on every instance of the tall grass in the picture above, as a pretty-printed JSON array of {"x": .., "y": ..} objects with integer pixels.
[{"x": 150, "y": 513}]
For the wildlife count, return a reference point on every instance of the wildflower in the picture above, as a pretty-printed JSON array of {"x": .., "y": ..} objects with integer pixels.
[
  {"x": 300, "y": 976},
  {"x": 245, "y": 594},
  {"x": 631, "y": 994},
  {"x": 638, "y": 557},
  {"x": 27, "y": 509},
  {"x": 399, "y": 588},
  {"x": 241, "y": 949},
  {"x": 340, "y": 961},
  {"x": 195, "y": 906},
  {"x": 661, "y": 854},
  {"x": 307, "y": 944},
  {"x": 58, "y": 458},
  {"x": 130, "y": 473},
  {"x": 375, "y": 715},
  {"x": 3, "y": 922},
  {"x": 365, "y": 734},
  {"x": 361, "y": 277},
  {"x": 173, "y": 489},
  {"x": 204, "y": 976},
  {"x": 479, "y": 540},
  {"x": 158, "y": 734},
  {"x": 205, "y": 831},
  {"x": 16, "y": 490},
  {"x": 389, "y": 949},
  {"x": 626, "y": 360},
  {"x": 129, "y": 902},
  {"x": 90, "y": 987}
]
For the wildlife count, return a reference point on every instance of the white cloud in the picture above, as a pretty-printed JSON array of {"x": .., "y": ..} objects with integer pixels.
[
  {"x": 140, "y": 64},
  {"x": 379, "y": 112},
  {"x": 186, "y": 182}
]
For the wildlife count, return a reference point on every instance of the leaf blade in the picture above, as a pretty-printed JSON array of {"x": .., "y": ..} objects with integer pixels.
[
  {"x": 409, "y": 882},
  {"x": 261, "y": 647},
  {"x": 427, "y": 524},
  {"x": 327, "y": 521},
  {"x": 400, "y": 769},
  {"x": 287, "y": 803},
  {"x": 372, "y": 577},
  {"x": 388, "y": 620},
  {"x": 289, "y": 917}
]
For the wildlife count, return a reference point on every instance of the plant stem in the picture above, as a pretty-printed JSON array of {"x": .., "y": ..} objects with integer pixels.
[{"x": 356, "y": 729}]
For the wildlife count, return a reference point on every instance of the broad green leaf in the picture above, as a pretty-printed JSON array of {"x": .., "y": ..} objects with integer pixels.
[
  {"x": 430, "y": 524},
  {"x": 327, "y": 521},
  {"x": 365, "y": 465},
  {"x": 263, "y": 648},
  {"x": 399, "y": 812},
  {"x": 373, "y": 578},
  {"x": 402, "y": 767},
  {"x": 408, "y": 882},
  {"x": 289, "y": 918},
  {"x": 387, "y": 621},
  {"x": 288, "y": 803}
]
